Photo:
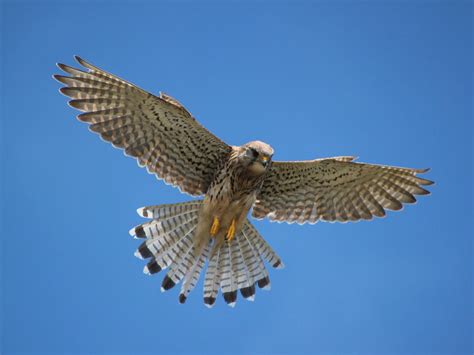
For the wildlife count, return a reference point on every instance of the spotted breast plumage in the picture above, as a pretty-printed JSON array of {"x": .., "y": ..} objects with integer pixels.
[{"x": 232, "y": 180}]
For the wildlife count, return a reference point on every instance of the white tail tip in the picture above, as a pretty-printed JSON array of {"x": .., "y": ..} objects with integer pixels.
[
  {"x": 138, "y": 255},
  {"x": 141, "y": 212},
  {"x": 232, "y": 304},
  {"x": 146, "y": 271}
]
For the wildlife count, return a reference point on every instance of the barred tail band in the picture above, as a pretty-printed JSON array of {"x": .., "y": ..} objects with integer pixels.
[{"x": 169, "y": 244}]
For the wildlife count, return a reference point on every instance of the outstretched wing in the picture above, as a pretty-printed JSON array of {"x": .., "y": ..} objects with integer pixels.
[
  {"x": 335, "y": 189},
  {"x": 158, "y": 131}
]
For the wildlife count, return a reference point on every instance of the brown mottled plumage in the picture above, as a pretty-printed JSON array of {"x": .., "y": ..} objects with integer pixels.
[{"x": 166, "y": 139}]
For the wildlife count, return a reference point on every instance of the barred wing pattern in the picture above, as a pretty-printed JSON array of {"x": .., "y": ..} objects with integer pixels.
[
  {"x": 335, "y": 189},
  {"x": 158, "y": 131}
]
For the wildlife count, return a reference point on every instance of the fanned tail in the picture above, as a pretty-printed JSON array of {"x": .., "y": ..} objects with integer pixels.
[
  {"x": 169, "y": 243},
  {"x": 238, "y": 265},
  {"x": 169, "y": 239}
]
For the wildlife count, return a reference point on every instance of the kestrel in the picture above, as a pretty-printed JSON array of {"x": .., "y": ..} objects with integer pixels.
[{"x": 166, "y": 139}]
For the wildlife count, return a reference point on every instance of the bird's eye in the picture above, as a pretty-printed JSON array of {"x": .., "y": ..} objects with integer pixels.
[{"x": 253, "y": 153}]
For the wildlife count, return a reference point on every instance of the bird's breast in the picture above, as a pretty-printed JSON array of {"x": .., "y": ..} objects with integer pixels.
[{"x": 231, "y": 195}]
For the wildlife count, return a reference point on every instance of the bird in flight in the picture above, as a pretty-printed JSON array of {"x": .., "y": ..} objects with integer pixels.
[{"x": 165, "y": 138}]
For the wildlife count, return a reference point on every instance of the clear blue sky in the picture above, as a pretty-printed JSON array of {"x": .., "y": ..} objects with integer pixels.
[{"x": 389, "y": 82}]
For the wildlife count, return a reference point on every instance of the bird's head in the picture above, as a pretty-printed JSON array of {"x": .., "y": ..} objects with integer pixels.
[{"x": 256, "y": 156}]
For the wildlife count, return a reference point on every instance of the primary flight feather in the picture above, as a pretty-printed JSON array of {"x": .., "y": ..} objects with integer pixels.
[{"x": 166, "y": 139}]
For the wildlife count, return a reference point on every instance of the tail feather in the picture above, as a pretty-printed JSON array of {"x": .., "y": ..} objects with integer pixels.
[
  {"x": 259, "y": 271},
  {"x": 239, "y": 268},
  {"x": 163, "y": 245},
  {"x": 192, "y": 276},
  {"x": 248, "y": 288},
  {"x": 231, "y": 296},
  {"x": 170, "y": 243},
  {"x": 213, "y": 278},
  {"x": 225, "y": 282},
  {"x": 265, "y": 251},
  {"x": 252, "y": 261},
  {"x": 182, "y": 262},
  {"x": 165, "y": 211},
  {"x": 233, "y": 275},
  {"x": 169, "y": 252},
  {"x": 155, "y": 228}
]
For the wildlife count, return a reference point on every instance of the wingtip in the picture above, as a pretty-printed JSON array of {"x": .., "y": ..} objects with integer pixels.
[
  {"x": 423, "y": 181},
  {"x": 73, "y": 104},
  {"x": 62, "y": 66},
  {"x": 422, "y": 171},
  {"x": 429, "y": 182},
  {"x": 57, "y": 77},
  {"x": 82, "y": 62},
  {"x": 64, "y": 92}
]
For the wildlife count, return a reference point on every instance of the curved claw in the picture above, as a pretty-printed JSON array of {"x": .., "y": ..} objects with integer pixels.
[
  {"x": 231, "y": 231},
  {"x": 214, "y": 227}
]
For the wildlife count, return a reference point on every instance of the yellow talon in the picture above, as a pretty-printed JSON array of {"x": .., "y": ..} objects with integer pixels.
[
  {"x": 231, "y": 231},
  {"x": 215, "y": 226}
]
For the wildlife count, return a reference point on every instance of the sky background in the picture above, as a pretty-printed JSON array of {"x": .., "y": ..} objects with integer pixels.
[{"x": 390, "y": 82}]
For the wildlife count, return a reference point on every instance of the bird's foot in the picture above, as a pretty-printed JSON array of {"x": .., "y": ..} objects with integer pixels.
[
  {"x": 214, "y": 227},
  {"x": 231, "y": 232}
]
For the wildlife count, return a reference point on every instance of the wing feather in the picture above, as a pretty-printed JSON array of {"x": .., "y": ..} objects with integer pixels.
[
  {"x": 335, "y": 189},
  {"x": 158, "y": 131}
]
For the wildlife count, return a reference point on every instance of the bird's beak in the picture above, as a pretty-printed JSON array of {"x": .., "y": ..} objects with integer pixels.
[{"x": 264, "y": 160}]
